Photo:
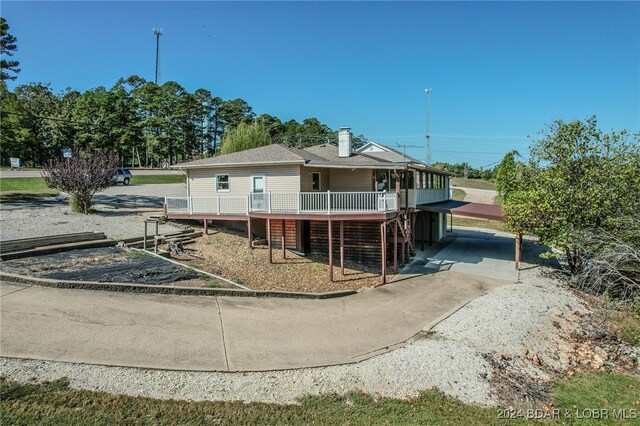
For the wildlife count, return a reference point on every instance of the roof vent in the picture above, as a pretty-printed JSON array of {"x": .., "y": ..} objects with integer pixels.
[{"x": 345, "y": 142}]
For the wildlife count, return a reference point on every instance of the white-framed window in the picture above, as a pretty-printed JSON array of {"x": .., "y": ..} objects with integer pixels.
[
  {"x": 315, "y": 181},
  {"x": 222, "y": 183}
]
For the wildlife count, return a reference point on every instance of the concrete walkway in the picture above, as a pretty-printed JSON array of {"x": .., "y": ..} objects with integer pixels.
[{"x": 226, "y": 333}]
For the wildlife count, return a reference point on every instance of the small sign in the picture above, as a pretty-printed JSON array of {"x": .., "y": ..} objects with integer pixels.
[
  {"x": 66, "y": 152},
  {"x": 16, "y": 163}
]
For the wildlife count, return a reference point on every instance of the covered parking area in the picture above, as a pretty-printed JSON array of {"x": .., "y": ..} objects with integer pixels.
[{"x": 469, "y": 209}]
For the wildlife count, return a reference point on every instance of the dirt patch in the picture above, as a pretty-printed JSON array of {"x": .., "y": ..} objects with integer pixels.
[{"x": 225, "y": 252}]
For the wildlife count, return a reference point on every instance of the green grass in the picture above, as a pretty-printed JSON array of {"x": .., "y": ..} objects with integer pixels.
[
  {"x": 473, "y": 183},
  {"x": 156, "y": 179},
  {"x": 54, "y": 403},
  {"x": 602, "y": 391},
  {"x": 22, "y": 184},
  {"x": 458, "y": 194},
  {"x": 478, "y": 223}
]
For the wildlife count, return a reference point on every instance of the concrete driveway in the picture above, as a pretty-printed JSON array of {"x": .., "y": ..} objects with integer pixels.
[
  {"x": 225, "y": 333},
  {"x": 480, "y": 252},
  {"x": 253, "y": 334}
]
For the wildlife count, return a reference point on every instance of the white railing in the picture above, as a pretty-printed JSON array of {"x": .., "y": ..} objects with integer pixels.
[
  {"x": 426, "y": 196},
  {"x": 286, "y": 202},
  {"x": 423, "y": 196},
  {"x": 206, "y": 205}
]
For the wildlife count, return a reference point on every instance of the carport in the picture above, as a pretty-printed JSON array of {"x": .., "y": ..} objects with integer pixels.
[{"x": 469, "y": 209}]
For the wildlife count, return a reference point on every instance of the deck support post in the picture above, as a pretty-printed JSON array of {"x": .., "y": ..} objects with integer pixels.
[
  {"x": 429, "y": 219},
  {"x": 404, "y": 242},
  {"x": 518, "y": 249},
  {"x": 249, "y": 232},
  {"x": 330, "y": 229},
  {"x": 282, "y": 241},
  {"x": 395, "y": 246},
  {"x": 269, "y": 240},
  {"x": 383, "y": 243},
  {"x": 206, "y": 227},
  {"x": 342, "y": 247},
  {"x": 423, "y": 230}
]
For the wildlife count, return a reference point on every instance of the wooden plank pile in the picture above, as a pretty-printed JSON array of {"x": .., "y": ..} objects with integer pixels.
[{"x": 15, "y": 249}]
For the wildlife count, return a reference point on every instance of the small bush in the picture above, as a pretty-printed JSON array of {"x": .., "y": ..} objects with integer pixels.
[{"x": 81, "y": 177}]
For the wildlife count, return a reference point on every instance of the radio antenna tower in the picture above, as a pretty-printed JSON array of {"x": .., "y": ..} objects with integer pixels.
[
  {"x": 428, "y": 133},
  {"x": 158, "y": 32}
]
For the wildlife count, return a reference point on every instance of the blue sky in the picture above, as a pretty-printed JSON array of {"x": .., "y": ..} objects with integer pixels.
[{"x": 499, "y": 71}]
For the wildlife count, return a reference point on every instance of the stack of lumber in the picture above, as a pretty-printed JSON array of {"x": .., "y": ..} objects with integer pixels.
[{"x": 15, "y": 249}]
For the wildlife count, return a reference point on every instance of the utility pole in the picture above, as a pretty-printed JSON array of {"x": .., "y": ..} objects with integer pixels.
[
  {"x": 428, "y": 132},
  {"x": 158, "y": 32}
]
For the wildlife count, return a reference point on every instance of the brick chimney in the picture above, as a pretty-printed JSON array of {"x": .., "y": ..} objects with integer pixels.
[{"x": 345, "y": 144}]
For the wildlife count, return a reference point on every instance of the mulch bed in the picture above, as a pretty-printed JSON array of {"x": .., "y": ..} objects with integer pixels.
[{"x": 225, "y": 252}]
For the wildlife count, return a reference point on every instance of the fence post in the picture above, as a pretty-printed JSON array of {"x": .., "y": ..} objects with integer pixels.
[
  {"x": 298, "y": 206},
  {"x": 165, "y": 206},
  {"x": 189, "y": 205},
  {"x": 328, "y": 202},
  {"x": 269, "y": 202},
  {"x": 248, "y": 203},
  {"x": 218, "y": 204}
]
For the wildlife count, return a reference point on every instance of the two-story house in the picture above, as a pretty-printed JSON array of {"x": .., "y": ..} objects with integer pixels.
[{"x": 326, "y": 200}]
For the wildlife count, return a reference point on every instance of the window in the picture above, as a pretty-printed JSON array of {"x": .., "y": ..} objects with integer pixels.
[
  {"x": 315, "y": 181},
  {"x": 222, "y": 183}
]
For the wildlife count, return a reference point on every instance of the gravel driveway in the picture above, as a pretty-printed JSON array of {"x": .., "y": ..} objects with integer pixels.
[{"x": 120, "y": 213}]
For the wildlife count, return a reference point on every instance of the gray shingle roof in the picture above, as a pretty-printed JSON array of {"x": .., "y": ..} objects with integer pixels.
[{"x": 325, "y": 155}]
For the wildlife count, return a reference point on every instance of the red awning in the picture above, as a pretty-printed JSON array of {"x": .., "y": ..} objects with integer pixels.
[{"x": 465, "y": 208}]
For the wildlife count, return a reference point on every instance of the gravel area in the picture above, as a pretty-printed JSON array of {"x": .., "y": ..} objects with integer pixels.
[
  {"x": 451, "y": 357},
  {"x": 120, "y": 213}
]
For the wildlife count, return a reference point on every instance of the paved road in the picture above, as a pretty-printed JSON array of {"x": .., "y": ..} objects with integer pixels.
[
  {"x": 251, "y": 334},
  {"x": 36, "y": 173},
  {"x": 117, "y": 196}
]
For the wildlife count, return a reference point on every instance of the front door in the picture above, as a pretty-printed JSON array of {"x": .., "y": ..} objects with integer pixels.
[{"x": 258, "y": 193}]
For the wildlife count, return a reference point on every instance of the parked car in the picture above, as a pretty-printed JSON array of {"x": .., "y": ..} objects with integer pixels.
[{"x": 122, "y": 176}]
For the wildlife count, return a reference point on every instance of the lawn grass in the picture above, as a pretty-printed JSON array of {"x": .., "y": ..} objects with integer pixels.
[
  {"x": 473, "y": 183},
  {"x": 601, "y": 391},
  {"x": 458, "y": 194},
  {"x": 22, "y": 184},
  {"x": 54, "y": 403},
  {"x": 156, "y": 179},
  {"x": 16, "y": 190},
  {"x": 478, "y": 223}
]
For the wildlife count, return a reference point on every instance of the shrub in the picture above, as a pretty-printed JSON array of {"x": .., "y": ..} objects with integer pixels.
[{"x": 81, "y": 177}]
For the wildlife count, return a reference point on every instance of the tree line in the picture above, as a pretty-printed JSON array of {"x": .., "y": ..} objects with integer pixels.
[{"x": 142, "y": 123}]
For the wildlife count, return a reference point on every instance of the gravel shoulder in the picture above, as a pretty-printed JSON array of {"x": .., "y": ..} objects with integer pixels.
[{"x": 458, "y": 356}]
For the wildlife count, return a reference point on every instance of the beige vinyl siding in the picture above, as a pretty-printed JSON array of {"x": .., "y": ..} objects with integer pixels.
[
  {"x": 279, "y": 178},
  {"x": 348, "y": 180},
  {"x": 306, "y": 184}
]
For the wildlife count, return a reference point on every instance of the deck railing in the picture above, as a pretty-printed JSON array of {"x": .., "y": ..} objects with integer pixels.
[
  {"x": 285, "y": 202},
  {"x": 423, "y": 196}
]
